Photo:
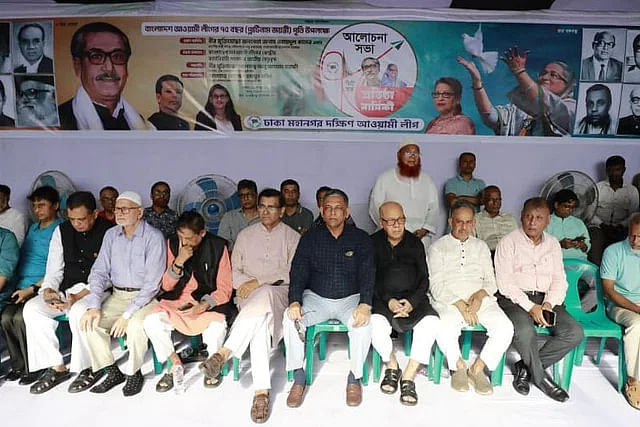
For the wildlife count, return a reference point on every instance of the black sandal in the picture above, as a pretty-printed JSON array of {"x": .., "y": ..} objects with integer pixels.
[
  {"x": 391, "y": 377},
  {"x": 49, "y": 380},
  {"x": 408, "y": 390},
  {"x": 85, "y": 379},
  {"x": 165, "y": 383}
]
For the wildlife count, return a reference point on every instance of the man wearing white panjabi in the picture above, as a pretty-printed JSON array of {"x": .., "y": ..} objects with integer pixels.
[{"x": 412, "y": 188}]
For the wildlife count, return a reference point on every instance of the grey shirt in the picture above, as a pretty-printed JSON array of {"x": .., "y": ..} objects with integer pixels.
[
  {"x": 301, "y": 220},
  {"x": 232, "y": 223}
]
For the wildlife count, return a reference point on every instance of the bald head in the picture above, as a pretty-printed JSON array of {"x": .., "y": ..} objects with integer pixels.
[
  {"x": 390, "y": 208},
  {"x": 392, "y": 220}
]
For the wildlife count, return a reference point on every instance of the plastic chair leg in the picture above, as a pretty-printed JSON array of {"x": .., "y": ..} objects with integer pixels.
[
  {"x": 466, "y": 344},
  {"x": 322, "y": 345},
  {"x": 376, "y": 361},
  {"x": 365, "y": 371},
  {"x": 157, "y": 366},
  {"x": 438, "y": 360},
  {"x": 408, "y": 341},
  {"x": 603, "y": 341},
  {"x": 309, "y": 344},
  {"x": 622, "y": 367},
  {"x": 123, "y": 344},
  {"x": 580, "y": 352},
  {"x": 497, "y": 374},
  {"x": 567, "y": 368}
]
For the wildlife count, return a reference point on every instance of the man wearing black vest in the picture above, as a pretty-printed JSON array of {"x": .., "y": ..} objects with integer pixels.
[
  {"x": 195, "y": 297},
  {"x": 74, "y": 247}
]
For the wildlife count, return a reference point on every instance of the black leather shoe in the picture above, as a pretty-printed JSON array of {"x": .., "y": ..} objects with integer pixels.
[
  {"x": 13, "y": 375},
  {"x": 31, "y": 377},
  {"x": 134, "y": 384},
  {"x": 553, "y": 390},
  {"x": 521, "y": 379},
  {"x": 114, "y": 377}
]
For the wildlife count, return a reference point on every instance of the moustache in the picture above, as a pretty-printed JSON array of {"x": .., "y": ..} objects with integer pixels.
[{"x": 108, "y": 76}]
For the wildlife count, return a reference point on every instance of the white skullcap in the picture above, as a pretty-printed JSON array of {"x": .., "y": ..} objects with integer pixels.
[
  {"x": 131, "y": 196},
  {"x": 407, "y": 141}
]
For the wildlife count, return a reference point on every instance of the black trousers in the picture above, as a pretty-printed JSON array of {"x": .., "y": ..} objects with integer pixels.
[
  {"x": 15, "y": 333},
  {"x": 565, "y": 335}
]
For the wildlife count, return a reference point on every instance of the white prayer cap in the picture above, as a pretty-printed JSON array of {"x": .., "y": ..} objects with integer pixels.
[
  {"x": 407, "y": 141},
  {"x": 131, "y": 196}
]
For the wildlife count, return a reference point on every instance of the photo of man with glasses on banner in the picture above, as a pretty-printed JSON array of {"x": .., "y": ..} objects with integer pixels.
[
  {"x": 35, "y": 101},
  {"x": 100, "y": 54},
  {"x": 601, "y": 66}
]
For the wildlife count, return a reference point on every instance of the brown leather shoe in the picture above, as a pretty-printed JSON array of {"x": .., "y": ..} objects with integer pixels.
[
  {"x": 354, "y": 394},
  {"x": 260, "y": 408},
  {"x": 296, "y": 395}
]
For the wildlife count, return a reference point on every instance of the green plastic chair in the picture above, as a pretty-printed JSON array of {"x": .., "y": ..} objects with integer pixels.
[
  {"x": 321, "y": 330},
  {"x": 595, "y": 324},
  {"x": 376, "y": 359}
]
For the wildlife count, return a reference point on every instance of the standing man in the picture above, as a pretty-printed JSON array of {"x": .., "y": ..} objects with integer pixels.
[
  {"x": 492, "y": 224},
  {"x": 261, "y": 263},
  {"x": 531, "y": 280},
  {"x": 600, "y": 66},
  {"x": 620, "y": 271},
  {"x": 73, "y": 249},
  {"x": 408, "y": 185},
  {"x": 132, "y": 260},
  {"x": 31, "y": 40},
  {"x": 27, "y": 280},
  {"x": 11, "y": 218},
  {"x": 597, "y": 120},
  {"x": 159, "y": 214},
  {"x": 100, "y": 53},
  {"x": 616, "y": 202},
  {"x": 195, "y": 297},
  {"x": 108, "y": 196},
  {"x": 400, "y": 301},
  {"x": 238, "y": 219},
  {"x": 465, "y": 186},
  {"x": 462, "y": 292},
  {"x": 332, "y": 277},
  {"x": 295, "y": 215},
  {"x": 169, "y": 90}
]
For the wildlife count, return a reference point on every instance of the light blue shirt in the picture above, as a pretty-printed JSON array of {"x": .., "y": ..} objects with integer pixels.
[
  {"x": 9, "y": 254},
  {"x": 137, "y": 263},
  {"x": 458, "y": 186},
  {"x": 622, "y": 265},
  {"x": 569, "y": 228},
  {"x": 34, "y": 254}
]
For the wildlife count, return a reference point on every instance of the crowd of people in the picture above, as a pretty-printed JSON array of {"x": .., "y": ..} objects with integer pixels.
[{"x": 273, "y": 271}]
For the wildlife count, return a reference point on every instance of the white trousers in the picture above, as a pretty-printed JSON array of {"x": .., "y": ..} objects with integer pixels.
[
  {"x": 253, "y": 332},
  {"x": 158, "y": 328},
  {"x": 317, "y": 309},
  {"x": 43, "y": 347},
  {"x": 631, "y": 323},
  {"x": 499, "y": 332},
  {"x": 424, "y": 334}
]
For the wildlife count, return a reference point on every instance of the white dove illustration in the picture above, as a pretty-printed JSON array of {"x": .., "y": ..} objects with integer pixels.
[{"x": 474, "y": 46}]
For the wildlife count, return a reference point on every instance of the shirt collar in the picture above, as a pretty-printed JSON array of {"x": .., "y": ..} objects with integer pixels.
[
  {"x": 33, "y": 68},
  {"x": 528, "y": 239},
  {"x": 460, "y": 178}
]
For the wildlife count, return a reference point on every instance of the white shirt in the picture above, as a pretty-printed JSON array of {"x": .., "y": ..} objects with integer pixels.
[
  {"x": 418, "y": 197},
  {"x": 458, "y": 269},
  {"x": 15, "y": 221},
  {"x": 597, "y": 67},
  {"x": 55, "y": 262},
  {"x": 224, "y": 125},
  {"x": 615, "y": 207}
]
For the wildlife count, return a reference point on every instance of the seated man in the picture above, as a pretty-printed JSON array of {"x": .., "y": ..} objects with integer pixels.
[
  {"x": 11, "y": 218},
  {"x": 132, "y": 260},
  {"x": 236, "y": 220},
  {"x": 462, "y": 292},
  {"x": 531, "y": 280},
  {"x": 9, "y": 254},
  {"x": 464, "y": 186},
  {"x": 261, "y": 261},
  {"x": 570, "y": 231},
  {"x": 295, "y": 216},
  {"x": 108, "y": 196},
  {"x": 159, "y": 214},
  {"x": 620, "y": 271},
  {"x": 332, "y": 277},
  {"x": 400, "y": 300},
  {"x": 616, "y": 202},
  {"x": 73, "y": 249},
  {"x": 492, "y": 224},
  {"x": 195, "y": 297},
  {"x": 27, "y": 280}
]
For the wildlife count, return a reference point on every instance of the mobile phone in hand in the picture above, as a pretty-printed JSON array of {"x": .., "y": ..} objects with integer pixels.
[
  {"x": 277, "y": 282},
  {"x": 55, "y": 301},
  {"x": 549, "y": 317},
  {"x": 186, "y": 307}
]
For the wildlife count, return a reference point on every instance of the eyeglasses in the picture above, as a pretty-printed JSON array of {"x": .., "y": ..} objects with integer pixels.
[
  {"x": 270, "y": 209},
  {"x": 394, "y": 221},
  {"x": 635, "y": 100},
  {"x": 370, "y": 66},
  {"x": 552, "y": 75},
  {"x": 411, "y": 153},
  {"x": 98, "y": 56},
  {"x": 603, "y": 43},
  {"x": 32, "y": 94},
  {"x": 445, "y": 95},
  {"x": 219, "y": 96},
  {"x": 125, "y": 211},
  {"x": 161, "y": 192},
  {"x": 246, "y": 195}
]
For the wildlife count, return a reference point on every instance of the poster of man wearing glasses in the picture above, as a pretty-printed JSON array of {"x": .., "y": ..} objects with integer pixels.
[{"x": 600, "y": 48}]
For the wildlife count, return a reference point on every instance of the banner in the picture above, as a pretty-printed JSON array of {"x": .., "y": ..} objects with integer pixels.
[{"x": 230, "y": 75}]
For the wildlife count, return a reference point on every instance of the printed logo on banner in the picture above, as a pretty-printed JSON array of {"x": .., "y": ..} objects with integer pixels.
[{"x": 369, "y": 70}]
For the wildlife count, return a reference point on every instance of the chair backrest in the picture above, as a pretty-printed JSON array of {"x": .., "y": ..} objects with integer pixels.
[{"x": 575, "y": 269}]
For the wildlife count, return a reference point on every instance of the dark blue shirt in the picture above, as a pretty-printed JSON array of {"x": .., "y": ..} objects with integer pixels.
[{"x": 333, "y": 268}]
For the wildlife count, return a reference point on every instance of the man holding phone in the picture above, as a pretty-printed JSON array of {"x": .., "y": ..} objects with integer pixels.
[
  {"x": 195, "y": 296},
  {"x": 261, "y": 260},
  {"x": 532, "y": 284},
  {"x": 73, "y": 249}
]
